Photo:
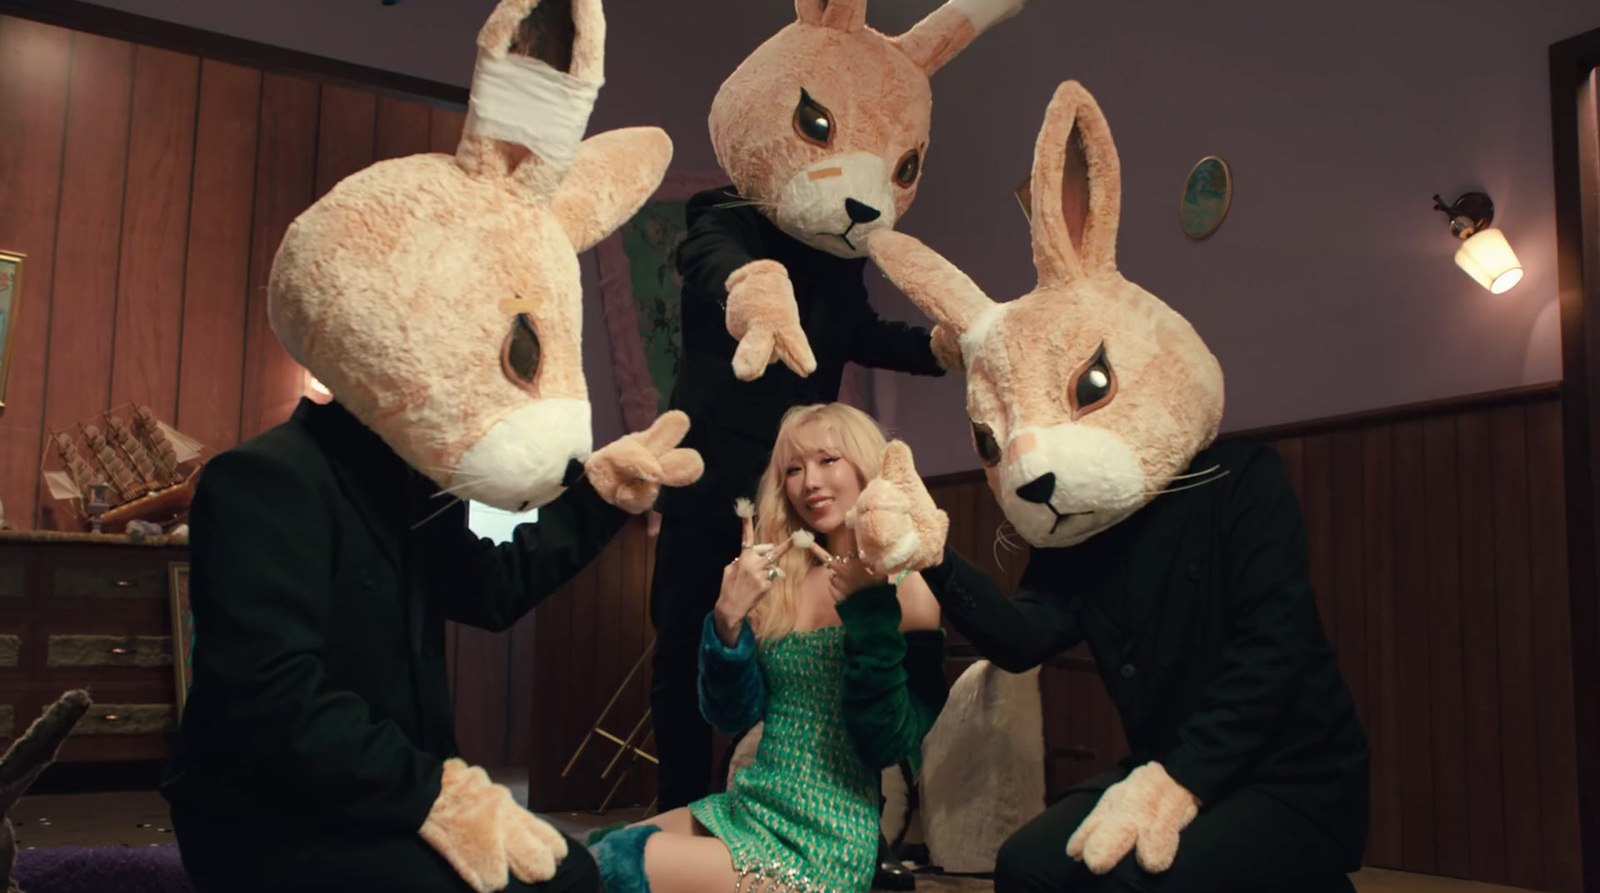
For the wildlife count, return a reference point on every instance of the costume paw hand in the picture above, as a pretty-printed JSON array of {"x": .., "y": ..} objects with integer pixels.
[
  {"x": 485, "y": 836},
  {"x": 630, "y": 471},
  {"x": 1146, "y": 811},
  {"x": 896, "y": 523},
  {"x": 946, "y": 349},
  {"x": 762, "y": 314}
]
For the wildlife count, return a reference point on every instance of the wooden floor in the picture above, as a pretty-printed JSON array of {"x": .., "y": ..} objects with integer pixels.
[{"x": 140, "y": 819}]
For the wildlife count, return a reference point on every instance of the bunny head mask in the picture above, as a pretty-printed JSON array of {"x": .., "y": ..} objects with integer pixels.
[
  {"x": 438, "y": 296},
  {"x": 825, "y": 126},
  {"x": 1087, "y": 396}
]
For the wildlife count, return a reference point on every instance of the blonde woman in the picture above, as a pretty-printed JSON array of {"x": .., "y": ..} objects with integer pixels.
[{"x": 845, "y": 668}]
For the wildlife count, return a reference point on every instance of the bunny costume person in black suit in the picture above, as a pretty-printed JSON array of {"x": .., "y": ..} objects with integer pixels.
[{"x": 1182, "y": 564}]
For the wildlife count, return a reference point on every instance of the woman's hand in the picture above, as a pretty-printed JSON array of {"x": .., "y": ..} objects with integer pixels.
[
  {"x": 847, "y": 574},
  {"x": 745, "y": 582}
]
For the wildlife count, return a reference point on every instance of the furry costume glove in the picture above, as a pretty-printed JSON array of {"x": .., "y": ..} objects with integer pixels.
[
  {"x": 1145, "y": 810},
  {"x": 630, "y": 471},
  {"x": 898, "y": 528},
  {"x": 762, "y": 314},
  {"x": 946, "y": 349},
  {"x": 482, "y": 832}
]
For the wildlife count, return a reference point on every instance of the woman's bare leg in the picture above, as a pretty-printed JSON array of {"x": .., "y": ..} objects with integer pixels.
[
  {"x": 676, "y": 821},
  {"x": 676, "y": 863}
]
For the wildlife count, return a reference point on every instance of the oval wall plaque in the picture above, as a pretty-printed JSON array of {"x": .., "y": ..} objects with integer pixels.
[{"x": 1206, "y": 196}]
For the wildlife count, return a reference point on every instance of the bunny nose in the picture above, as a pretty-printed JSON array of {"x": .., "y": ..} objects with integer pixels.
[
  {"x": 861, "y": 213},
  {"x": 1040, "y": 489},
  {"x": 574, "y": 471}
]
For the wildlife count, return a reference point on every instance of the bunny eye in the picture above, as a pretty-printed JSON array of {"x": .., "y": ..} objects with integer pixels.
[
  {"x": 813, "y": 122},
  {"x": 988, "y": 447},
  {"x": 909, "y": 168},
  {"x": 1092, "y": 386},
  {"x": 520, "y": 356}
]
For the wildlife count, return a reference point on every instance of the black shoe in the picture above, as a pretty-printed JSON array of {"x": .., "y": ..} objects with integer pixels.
[{"x": 891, "y": 874}]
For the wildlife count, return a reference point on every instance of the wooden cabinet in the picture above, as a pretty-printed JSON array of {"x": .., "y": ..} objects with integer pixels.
[{"x": 90, "y": 611}]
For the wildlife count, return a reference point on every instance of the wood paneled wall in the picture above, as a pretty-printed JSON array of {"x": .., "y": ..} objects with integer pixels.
[{"x": 149, "y": 190}]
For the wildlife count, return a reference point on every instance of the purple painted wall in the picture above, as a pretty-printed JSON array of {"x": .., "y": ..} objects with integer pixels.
[{"x": 1329, "y": 289}]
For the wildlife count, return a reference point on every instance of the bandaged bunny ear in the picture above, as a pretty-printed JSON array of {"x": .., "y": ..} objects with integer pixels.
[
  {"x": 1074, "y": 118},
  {"x": 948, "y": 30},
  {"x": 840, "y": 15},
  {"x": 540, "y": 67}
]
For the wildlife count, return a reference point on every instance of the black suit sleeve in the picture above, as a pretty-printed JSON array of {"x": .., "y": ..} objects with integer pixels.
[
  {"x": 262, "y": 575},
  {"x": 491, "y": 586},
  {"x": 1272, "y": 622},
  {"x": 717, "y": 244},
  {"x": 1017, "y": 633},
  {"x": 885, "y": 344}
]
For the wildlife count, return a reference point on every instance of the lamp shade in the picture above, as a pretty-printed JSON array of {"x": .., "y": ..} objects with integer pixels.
[{"x": 1488, "y": 258}]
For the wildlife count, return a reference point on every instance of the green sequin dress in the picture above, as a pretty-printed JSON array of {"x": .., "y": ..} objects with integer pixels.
[{"x": 806, "y": 808}]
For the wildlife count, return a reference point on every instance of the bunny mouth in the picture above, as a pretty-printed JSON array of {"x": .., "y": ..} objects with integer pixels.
[
  {"x": 1062, "y": 517},
  {"x": 845, "y": 236}
]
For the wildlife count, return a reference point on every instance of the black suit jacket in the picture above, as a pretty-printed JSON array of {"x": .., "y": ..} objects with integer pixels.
[
  {"x": 319, "y": 705},
  {"x": 734, "y": 423},
  {"x": 1200, "y": 616}
]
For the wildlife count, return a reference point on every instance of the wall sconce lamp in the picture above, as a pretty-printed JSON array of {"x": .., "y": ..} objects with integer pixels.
[{"x": 1484, "y": 253}]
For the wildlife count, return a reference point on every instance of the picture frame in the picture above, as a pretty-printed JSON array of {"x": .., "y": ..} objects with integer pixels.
[
  {"x": 640, "y": 290},
  {"x": 182, "y": 630},
  {"x": 1024, "y": 193},
  {"x": 12, "y": 264},
  {"x": 1207, "y": 196}
]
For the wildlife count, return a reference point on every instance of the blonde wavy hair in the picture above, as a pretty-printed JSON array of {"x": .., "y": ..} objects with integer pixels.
[{"x": 836, "y": 428}]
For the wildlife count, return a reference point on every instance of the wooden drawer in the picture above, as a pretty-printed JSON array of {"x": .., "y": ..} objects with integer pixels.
[
  {"x": 144, "y": 652},
  {"x": 110, "y": 582},
  {"x": 13, "y": 578},
  {"x": 127, "y": 719}
]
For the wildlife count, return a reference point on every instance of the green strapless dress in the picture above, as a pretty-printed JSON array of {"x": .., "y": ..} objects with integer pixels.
[{"x": 806, "y": 808}]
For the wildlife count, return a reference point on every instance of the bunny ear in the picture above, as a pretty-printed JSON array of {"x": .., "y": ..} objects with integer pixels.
[
  {"x": 1057, "y": 256},
  {"x": 947, "y": 295},
  {"x": 539, "y": 70},
  {"x": 567, "y": 35},
  {"x": 949, "y": 29},
  {"x": 840, "y": 15}
]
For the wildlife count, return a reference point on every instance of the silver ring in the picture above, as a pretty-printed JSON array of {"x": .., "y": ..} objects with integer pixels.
[{"x": 772, "y": 574}]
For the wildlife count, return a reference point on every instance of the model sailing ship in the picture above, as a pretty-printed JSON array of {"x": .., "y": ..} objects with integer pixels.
[{"x": 124, "y": 465}]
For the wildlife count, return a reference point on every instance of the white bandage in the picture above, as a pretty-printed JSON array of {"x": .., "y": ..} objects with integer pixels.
[{"x": 521, "y": 100}]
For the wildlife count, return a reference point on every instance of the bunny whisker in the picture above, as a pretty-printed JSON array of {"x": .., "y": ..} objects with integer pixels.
[
  {"x": 1177, "y": 477},
  {"x": 746, "y": 203},
  {"x": 442, "y": 509},
  {"x": 455, "y": 489},
  {"x": 1003, "y": 539},
  {"x": 1191, "y": 485}
]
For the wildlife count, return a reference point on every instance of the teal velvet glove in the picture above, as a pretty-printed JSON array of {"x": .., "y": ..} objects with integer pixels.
[{"x": 733, "y": 693}]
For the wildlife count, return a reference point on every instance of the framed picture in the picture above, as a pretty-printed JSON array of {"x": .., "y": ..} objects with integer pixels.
[
  {"x": 1207, "y": 194},
  {"x": 1025, "y": 197},
  {"x": 182, "y": 628},
  {"x": 11, "y": 264},
  {"x": 640, "y": 289}
]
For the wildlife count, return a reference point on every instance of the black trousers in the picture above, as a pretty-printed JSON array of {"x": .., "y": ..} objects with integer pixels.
[
  {"x": 222, "y": 859},
  {"x": 690, "y": 556},
  {"x": 1246, "y": 842}
]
